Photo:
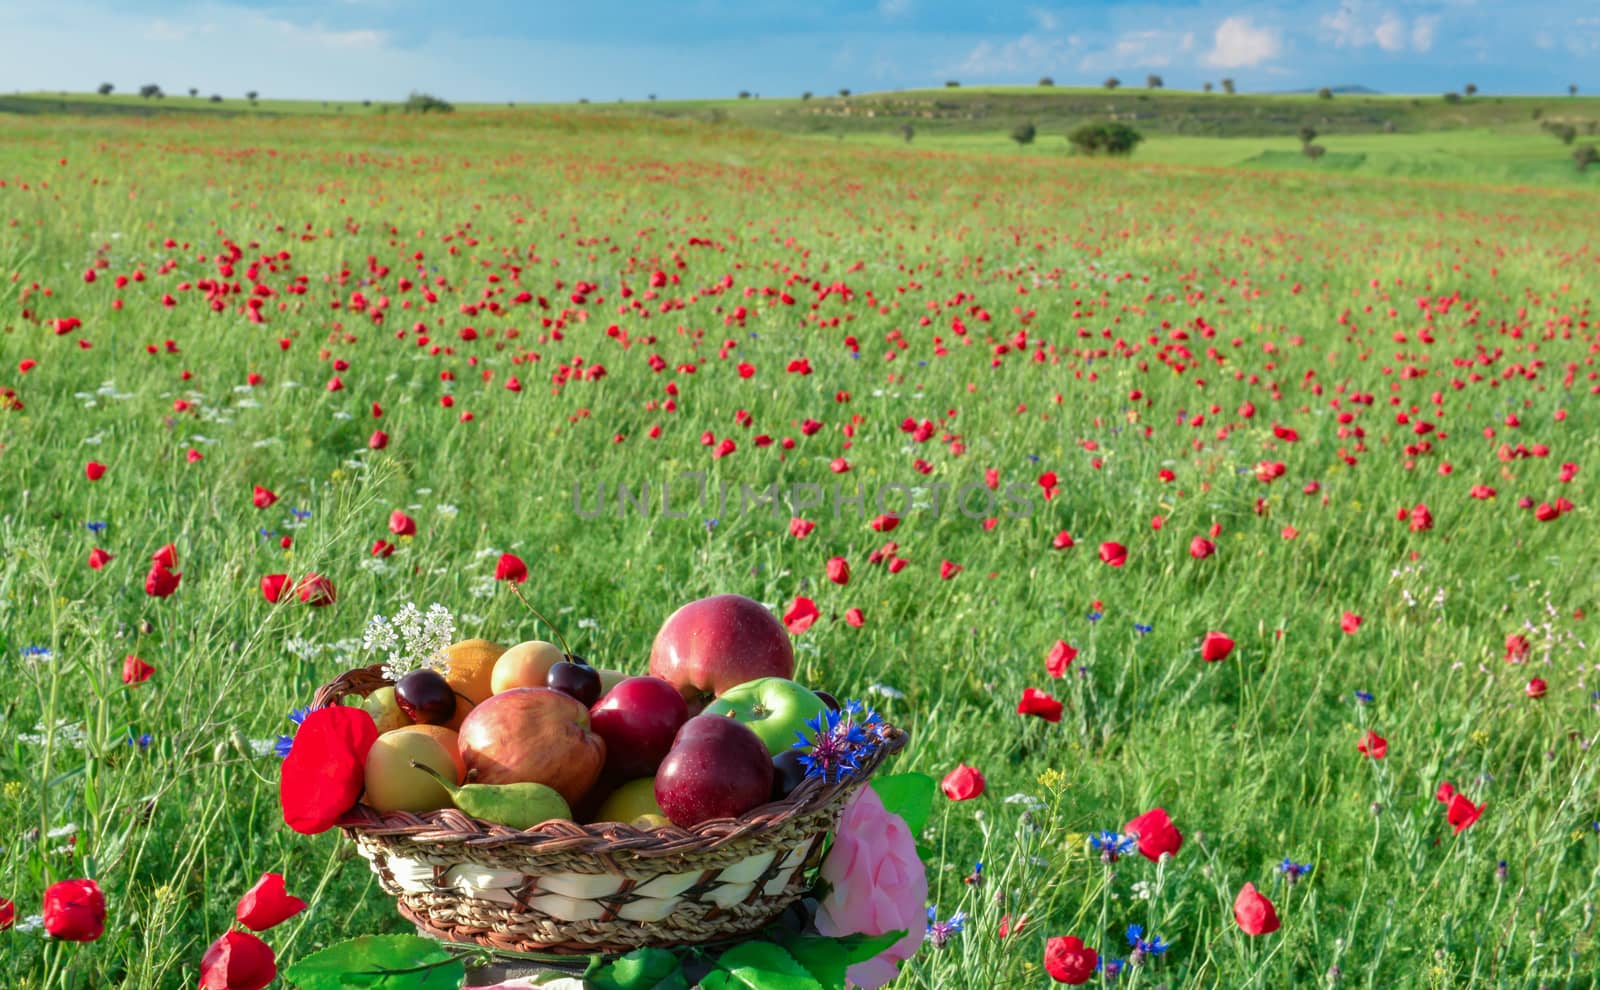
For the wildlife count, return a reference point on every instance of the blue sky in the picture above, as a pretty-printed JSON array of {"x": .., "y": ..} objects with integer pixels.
[{"x": 605, "y": 49}]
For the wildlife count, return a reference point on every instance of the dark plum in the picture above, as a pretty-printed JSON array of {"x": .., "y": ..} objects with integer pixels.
[
  {"x": 578, "y": 680},
  {"x": 426, "y": 697}
]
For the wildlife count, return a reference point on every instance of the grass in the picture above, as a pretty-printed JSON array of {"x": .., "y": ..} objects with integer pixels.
[{"x": 1104, "y": 321}]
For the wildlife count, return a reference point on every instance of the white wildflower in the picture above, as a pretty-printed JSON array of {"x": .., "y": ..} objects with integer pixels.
[
  {"x": 885, "y": 691},
  {"x": 411, "y": 640}
]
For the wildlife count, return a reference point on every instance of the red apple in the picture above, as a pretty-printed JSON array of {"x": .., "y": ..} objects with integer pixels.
[
  {"x": 533, "y": 734},
  {"x": 638, "y": 720},
  {"x": 717, "y": 768},
  {"x": 711, "y": 645}
]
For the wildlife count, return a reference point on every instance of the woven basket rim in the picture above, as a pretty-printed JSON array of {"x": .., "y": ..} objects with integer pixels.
[{"x": 450, "y": 826}]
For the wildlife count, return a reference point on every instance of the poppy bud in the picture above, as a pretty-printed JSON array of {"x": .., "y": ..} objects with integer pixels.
[
  {"x": 237, "y": 961},
  {"x": 1254, "y": 913},
  {"x": 75, "y": 910},
  {"x": 267, "y": 904},
  {"x": 963, "y": 783}
]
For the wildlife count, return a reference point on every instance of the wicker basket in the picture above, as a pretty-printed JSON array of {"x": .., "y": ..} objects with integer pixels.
[{"x": 569, "y": 889}]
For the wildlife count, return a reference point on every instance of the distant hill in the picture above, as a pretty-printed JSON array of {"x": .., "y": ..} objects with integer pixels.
[{"x": 1345, "y": 90}]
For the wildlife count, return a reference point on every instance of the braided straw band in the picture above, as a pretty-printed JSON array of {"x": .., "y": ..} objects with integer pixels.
[{"x": 566, "y": 888}]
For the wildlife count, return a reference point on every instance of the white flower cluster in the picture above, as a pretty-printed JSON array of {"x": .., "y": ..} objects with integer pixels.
[{"x": 411, "y": 640}]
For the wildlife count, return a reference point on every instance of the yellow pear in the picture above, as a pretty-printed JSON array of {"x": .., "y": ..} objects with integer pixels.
[{"x": 525, "y": 665}]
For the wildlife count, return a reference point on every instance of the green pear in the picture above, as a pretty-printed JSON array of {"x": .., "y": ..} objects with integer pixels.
[
  {"x": 521, "y": 805},
  {"x": 385, "y": 710}
]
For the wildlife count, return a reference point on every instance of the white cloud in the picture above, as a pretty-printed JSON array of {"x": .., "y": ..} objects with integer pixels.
[
  {"x": 1390, "y": 34},
  {"x": 1027, "y": 54},
  {"x": 894, "y": 8},
  {"x": 1357, "y": 24},
  {"x": 1045, "y": 20},
  {"x": 1240, "y": 43},
  {"x": 1422, "y": 33}
]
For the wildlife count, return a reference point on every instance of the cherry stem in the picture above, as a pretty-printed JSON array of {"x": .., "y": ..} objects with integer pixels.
[{"x": 540, "y": 615}]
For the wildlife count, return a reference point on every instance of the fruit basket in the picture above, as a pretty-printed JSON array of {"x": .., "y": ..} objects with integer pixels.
[{"x": 563, "y": 888}]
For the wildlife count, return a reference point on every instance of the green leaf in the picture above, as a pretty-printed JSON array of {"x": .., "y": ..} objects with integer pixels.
[
  {"x": 825, "y": 958},
  {"x": 909, "y": 795},
  {"x": 641, "y": 969},
  {"x": 860, "y": 948},
  {"x": 379, "y": 962},
  {"x": 763, "y": 966}
]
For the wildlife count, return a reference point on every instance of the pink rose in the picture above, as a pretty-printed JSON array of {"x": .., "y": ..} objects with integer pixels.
[{"x": 878, "y": 885}]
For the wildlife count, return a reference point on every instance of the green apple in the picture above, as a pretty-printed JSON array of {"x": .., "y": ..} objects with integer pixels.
[
  {"x": 633, "y": 803},
  {"x": 775, "y": 707}
]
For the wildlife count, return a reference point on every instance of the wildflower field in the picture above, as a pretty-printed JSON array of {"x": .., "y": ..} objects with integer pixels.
[{"x": 1260, "y": 499}]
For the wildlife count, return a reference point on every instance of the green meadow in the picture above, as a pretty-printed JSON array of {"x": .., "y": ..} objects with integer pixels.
[{"x": 1342, "y": 413}]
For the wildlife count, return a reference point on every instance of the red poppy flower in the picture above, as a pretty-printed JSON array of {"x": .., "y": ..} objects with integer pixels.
[
  {"x": 802, "y": 613},
  {"x": 801, "y": 528},
  {"x": 948, "y": 569},
  {"x": 1546, "y": 512},
  {"x": 510, "y": 567},
  {"x": 838, "y": 570},
  {"x": 272, "y": 587},
  {"x": 1350, "y": 622},
  {"x": 1373, "y": 745},
  {"x": 160, "y": 582},
  {"x": 1155, "y": 833},
  {"x": 267, "y": 903},
  {"x": 378, "y": 440},
  {"x": 1059, "y": 658},
  {"x": 316, "y": 590},
  {"x": 1215, "y": 646},
  {"x": 135, "y": 671},
  {"x": 1421, "y": 519},
  {"x": 382, "y": 548},
  {"x": 94, "y": 470},
  {"x": 963, "y": 783},
  {"x": 401, "y": 524},
  {"x": 1462, "y": 812},
  {"x": 98, "y": 558},
  {"x": 1254, "y": 912},
  {"x": 1007, "y": 928},
  {"x": 885, "y": 523},
  {"x": 1114, "y": 554},
  {"x": 237, "y": 961},
  {"x": 167, "y": 556},
  {"x": 1200, "y": 548},
  {"x": 854, "y": 618},
  {"x": 325, "y": 771},
  {"x": 1062, "y": 541},
  {"x": 1516, "y": 648},
  {"x": 75, "y": 910},
  {"x": 1482, "y": 492},
  {"x": 8, "y": 914},
  {"x": 263, "y": 497},
  {"x": 1068, "y": 960},
  {"x": 1536, "y": 688},
  {"x": 1036, "y": 702},
  {"x": 1445, "y": 792}
]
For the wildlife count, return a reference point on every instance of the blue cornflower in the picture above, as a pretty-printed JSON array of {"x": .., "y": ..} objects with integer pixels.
[
  {"x": 1143, "y": 629},
  {"x": 266, "y": 534},
  {"x": 141, "y": 741},
  {"x": 711, "y": 524},
  {"x": 1364, "y": 697},
  {"x": 282, "y": 746},
  {"x": 1094, "y": 615},
  {"x": 975, "y": 878},
  {"x": 855, "y": 355},
  {"x": 839, "y": 741},
  {"x": 298, "y": 715},
  {"x": 300, "y": 513},
  {"x": 36, "y": 653},
  {"x": 1142, "y": 947},
  {"x": 95, "y": 527},
  {"x": 1109, "y": 968},
  {"x": 1034, "y": 458},
  {"x": 1293, "y": 871},
  {"x": 1111, "y": 845},
  {"x": 941, "y": 932}
]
